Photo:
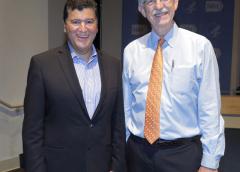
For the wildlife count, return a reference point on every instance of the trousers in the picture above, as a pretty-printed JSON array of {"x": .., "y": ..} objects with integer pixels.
[{"x": 181, "y": 155}]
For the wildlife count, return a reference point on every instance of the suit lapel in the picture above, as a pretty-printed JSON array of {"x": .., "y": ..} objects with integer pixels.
[
  {"x": 101, "y": 64},
  {"x": 67, "y": 66}
]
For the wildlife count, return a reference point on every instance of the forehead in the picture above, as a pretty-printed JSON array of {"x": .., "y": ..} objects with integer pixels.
[{"x": 84, "y": 13}]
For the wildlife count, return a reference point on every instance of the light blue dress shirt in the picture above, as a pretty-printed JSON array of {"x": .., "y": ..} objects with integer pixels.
[
  {"x": 89, "y": 78},
  {"x": 190, "y": 100}
]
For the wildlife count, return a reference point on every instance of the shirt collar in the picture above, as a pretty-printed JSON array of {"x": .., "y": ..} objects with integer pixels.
[
  {"x": 74, "y": 54},
  {"x": 170, "y": 38}
]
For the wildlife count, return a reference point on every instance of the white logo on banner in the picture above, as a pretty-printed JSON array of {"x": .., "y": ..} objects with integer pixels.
[
  {"x": 190, "y": 27},
  {"x": 191, "y": 7},
  {"x": 216, "y": 31},
  {"x": 139, "y": 29},
  {"x": 214, "y": 6}
]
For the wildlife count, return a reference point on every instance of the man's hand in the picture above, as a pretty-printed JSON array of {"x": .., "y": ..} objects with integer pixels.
[{"x": 204, "y": 169}]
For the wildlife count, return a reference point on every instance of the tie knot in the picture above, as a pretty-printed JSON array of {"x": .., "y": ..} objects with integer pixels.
[{"x": 160, "y": 42}]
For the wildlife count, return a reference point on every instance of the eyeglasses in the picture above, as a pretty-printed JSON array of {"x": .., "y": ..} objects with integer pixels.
[
  {"x": 151, "y": 2},
  {"x": 87, "y": 22}
]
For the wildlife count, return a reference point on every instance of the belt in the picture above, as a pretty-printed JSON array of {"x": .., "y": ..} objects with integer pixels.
[{"x": 163, "y": 142}]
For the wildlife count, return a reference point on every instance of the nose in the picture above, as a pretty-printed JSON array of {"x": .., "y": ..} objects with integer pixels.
[
  {"x": 159, "y": 4},
  {"x": 82, "y": 27}
]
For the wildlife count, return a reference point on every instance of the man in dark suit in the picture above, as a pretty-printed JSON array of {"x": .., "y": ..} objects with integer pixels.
[{"x": 74, "y": 120}]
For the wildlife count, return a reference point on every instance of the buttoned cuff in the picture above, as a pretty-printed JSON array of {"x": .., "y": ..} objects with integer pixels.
[{"x": 210, "y": 162}]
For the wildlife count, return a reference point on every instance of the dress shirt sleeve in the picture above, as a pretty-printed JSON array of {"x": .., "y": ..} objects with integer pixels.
[
  {"x": 126, "y": 92},
  {"x": 209, "y": 105}
]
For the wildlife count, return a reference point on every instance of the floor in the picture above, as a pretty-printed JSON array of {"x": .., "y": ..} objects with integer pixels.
[{"x": 231, "y": 160}]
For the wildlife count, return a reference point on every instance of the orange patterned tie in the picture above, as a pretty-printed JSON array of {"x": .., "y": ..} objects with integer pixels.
[{"x": 152, "y": 116}]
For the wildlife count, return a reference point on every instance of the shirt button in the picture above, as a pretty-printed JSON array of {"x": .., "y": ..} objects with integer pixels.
[{"x": 91, "y": 126}]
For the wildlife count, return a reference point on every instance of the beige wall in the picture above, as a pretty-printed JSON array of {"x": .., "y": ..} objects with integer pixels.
[
  {"x": 235, "y": 78},
  {"x": 55, "y": 23},
  {"x": 111, "y": 27},
  {"x": 23, "y": 33}
]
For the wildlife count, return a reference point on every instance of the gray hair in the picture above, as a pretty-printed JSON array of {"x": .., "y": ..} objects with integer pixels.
[{"x": 141, "y": 1}]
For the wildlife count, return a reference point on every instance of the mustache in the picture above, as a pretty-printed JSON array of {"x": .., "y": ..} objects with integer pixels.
[{"x": 157, "y": 12}]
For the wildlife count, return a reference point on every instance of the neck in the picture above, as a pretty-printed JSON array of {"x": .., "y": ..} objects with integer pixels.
[
  {"x": 85, "y": 55},
  {"x": 162, "y": 31}
]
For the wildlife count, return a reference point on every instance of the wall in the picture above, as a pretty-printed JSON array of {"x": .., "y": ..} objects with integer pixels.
[
  {"x": 55, "y": 23},
  {"x": 23, "y": 33},
  {"x": 111, "y": 27},
  {"x": 10, "y": 138},
  {"x": 235, "y": 73},
  {"x": 233, "y": 121}
]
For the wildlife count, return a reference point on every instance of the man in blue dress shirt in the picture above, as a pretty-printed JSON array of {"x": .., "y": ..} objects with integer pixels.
[{"x": 191, "y": 126}]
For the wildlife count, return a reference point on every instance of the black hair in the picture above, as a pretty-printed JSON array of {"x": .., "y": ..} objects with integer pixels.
[{"x": 79, "y": 5}]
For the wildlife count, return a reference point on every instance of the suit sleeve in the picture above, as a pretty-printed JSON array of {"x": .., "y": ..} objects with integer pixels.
[
  {"x": 118, "y": 134},
  {"x": 33, "y": 123}
]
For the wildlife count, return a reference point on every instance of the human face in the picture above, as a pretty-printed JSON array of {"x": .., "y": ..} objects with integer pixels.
[
  {"x": 159, "y": 13},
  {"x": 81, "y": 28}
]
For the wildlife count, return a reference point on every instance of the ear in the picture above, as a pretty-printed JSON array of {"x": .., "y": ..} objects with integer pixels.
[
  {"x": 64, "y": 29},
  {"x": 142, "y": 10}
]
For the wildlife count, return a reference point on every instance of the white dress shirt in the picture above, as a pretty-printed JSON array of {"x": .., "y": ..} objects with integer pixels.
[
  {"x": 89, "y": 79},
  {"x": 190, "y": 100}
]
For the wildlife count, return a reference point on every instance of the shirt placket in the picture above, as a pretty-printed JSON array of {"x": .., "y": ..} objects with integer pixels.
[{"x": 89, "y": 89}]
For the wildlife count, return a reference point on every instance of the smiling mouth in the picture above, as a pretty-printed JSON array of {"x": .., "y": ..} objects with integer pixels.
[{"x": 82, "y": 36}]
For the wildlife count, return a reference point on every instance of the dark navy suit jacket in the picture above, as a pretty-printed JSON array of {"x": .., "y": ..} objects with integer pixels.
[{"x": 58, "y": 135}]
